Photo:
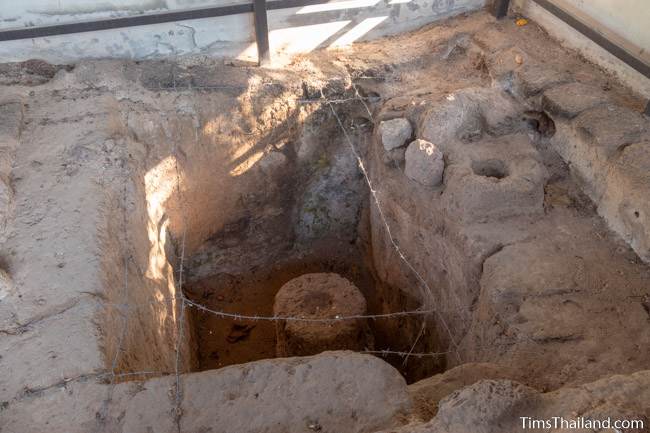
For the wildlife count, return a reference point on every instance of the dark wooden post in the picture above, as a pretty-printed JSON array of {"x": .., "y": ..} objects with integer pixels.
[
  {"x": 261, "y": 32},
  {"x": 500, "y": 8}
]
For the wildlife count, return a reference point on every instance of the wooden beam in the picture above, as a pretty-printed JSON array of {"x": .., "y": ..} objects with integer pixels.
[
  {"x": 261, "y": 32},
  {"x": 500, "y": 8}
]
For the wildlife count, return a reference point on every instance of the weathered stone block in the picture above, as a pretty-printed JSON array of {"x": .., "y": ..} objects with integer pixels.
[
  {"x": 64, "y": 339},
  {"x": 625, "y": 204},
  {"x": 593, "y": 138},
  {"x": 611, "y": 126},
  {"x": 427, "y": 393},
  {"x": 331, "y": 392},
  {"x": 569, "y": 100},
  {"x": 467, "y": 115},
  {"x": 523, "y": 74},
  {"x": 394, "y": 133},
  {"x": 494, "y": 179},
  {"x": 424, "y": 163}
]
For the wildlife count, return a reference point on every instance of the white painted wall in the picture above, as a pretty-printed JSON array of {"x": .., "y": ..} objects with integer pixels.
[
  {"x": 333, "y": 23},
  {"x": 16, "y": 13},
  {"x": 626, "y": 22},
  {"x": 628, "y": 19}
]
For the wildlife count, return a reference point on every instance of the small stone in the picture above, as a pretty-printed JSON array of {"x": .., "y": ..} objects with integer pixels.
[
  {"x": 394, "y": 133},
  {"x": 424, "y": 163},
  {"x": 518, "y": 59}
]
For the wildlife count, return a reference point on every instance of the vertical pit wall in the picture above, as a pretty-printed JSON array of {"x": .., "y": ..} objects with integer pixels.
[
  {"x": 143, "y": 323},
  {"x": 292, "y": 30},
  {"x": 241, "y": 181},
  {"x": 195, "y": 163},
  {"x": 185, "y": 178}
]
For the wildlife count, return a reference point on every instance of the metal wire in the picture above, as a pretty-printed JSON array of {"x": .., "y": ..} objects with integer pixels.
[{"x": 425, "y": 294}]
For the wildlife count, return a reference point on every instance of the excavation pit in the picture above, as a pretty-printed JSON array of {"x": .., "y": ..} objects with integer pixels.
[
  {"x": 226, "y": 219},
  {"x": 236, "y": 197},
  {"x": 166, "y": 207}
]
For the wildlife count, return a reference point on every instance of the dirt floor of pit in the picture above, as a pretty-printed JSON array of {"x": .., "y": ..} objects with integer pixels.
[{"x": 223, "y": 341}]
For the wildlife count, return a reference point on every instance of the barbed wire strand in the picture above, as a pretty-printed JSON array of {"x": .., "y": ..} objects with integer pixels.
[
  {"x": 423, "y": 326},
  {"x": 238, "y": 316},
  {"x": 380, "y": 352},
  {"x": 384, "y": 220},
  {"x": 372, "y": 119},
  {"x": 361, "y": 99},
  {"x": 179, "y": 286}
]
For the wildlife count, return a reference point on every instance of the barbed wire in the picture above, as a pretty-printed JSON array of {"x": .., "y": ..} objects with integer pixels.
[
  {"x": 175, "y": 87},
  {"x": 238, "y": 316},
  {"x": 373, "y": 192},
  {"x": 633, "y": 298},
  {"x": 243, "y": 317},
  {"x": 338, "y": 101},
  {"x": 358, "y": 97},
  {"x": 179, "y": 285},
  {"x": 423, "y": 326},
  {"x": 376, "y": 352}
]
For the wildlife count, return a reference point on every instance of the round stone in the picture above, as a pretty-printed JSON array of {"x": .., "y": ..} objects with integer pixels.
[
  {"x": 424, "y": 163},
  {"x": 320, "y": 296}
]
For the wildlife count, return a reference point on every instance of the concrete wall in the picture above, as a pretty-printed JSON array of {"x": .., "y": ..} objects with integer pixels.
[
  {"x": 43, "y": 12},
  {"x": 623, "y": 21},
  {"x": 226, "y": 36},
  {"x": 628, "y": 20},
  {"x": 292, "y": 30}
]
